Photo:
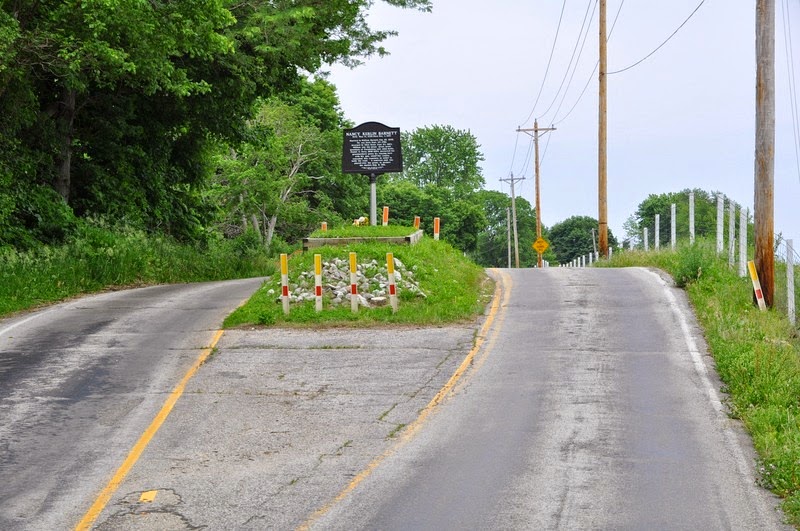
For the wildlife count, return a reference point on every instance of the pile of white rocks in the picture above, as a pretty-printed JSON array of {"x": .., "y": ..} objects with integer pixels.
[{"x": 372, "y": 279}]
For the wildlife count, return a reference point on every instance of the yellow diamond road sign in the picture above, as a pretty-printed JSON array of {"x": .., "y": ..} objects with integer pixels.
[{"x": 540, "y": 245}]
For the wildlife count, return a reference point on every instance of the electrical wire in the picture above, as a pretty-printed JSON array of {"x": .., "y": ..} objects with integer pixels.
[
  {"x": 549, "y": 61},
  {"x": 787, "y": 41},
  {"x": 662, "y": 44},
  {"x": 579, "y": 44},
  {"x": 575, "y": 69},
  {"x": 596, "y": 65},
  {"x": 514, "y": 156}
]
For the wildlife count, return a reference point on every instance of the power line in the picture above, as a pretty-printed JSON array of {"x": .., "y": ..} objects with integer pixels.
[
  {"x": 552, "y": 50},
  {"x": 578, "y": 43},
  {"x": 663, "y": 43},
  {"x": 591, "y": 76},
  {"x": 787, "y": 41},
  {"x": 575, "y": 69}
]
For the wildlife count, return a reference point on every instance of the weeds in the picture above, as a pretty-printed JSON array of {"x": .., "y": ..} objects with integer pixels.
[{"x": 99, "y": 257}]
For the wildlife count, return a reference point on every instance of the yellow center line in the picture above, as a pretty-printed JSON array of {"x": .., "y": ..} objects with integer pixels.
[
  {"x": 136, "y": 452},
  {"x": 502, "y": 291}
]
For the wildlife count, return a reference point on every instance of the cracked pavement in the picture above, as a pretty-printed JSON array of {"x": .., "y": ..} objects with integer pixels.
[{"x": 279, "y": 421}]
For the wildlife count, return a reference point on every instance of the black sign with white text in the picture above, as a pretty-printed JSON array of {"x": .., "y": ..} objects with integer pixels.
[{"x": 372, "y": 148}]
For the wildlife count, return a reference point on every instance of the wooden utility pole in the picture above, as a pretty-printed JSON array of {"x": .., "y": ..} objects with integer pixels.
[
  {"x": 602, "y": 154},
  {"x": 535, "y": 136},
  {"x": 508, "y": 232},
  {"x": 513, "y": 180},
  {"x": 764, "y": 214}
]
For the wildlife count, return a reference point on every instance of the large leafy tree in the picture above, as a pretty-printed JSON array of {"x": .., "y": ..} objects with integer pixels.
[
  {"x": 443, "y": 156},
  {"x": 115, "y": 103},
  {"x": 572, "y": 238},
  {"x": 441, "y": 177}
]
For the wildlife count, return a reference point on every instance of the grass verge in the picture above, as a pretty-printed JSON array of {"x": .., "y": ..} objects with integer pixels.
[
  {"x": 99, "y": 257},
  {"x": 456, "y": 289},
  {"x": 756, "y": 355}
]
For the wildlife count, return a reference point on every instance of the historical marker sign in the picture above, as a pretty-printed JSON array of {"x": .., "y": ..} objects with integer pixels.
[{"x": 372, "y": 149}]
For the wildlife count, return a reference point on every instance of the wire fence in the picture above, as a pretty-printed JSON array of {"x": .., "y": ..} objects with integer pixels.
[{"x": 734, "y": 242}]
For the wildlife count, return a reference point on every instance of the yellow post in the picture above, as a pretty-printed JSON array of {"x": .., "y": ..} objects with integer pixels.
[
  {"x": 285, "y": 282},
  {"x": 392, "y": 284},
  {"x": 353, "y": 283},
  {"x": 318, "y": 281}
]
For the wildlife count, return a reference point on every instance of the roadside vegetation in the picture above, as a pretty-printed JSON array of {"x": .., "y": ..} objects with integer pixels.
[
  {"x": 455, "y": 289},
  {"x": 757, "y": 356},
  {"x": 98, "y": 257}
]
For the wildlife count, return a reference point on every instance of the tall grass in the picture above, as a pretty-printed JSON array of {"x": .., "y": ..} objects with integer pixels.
[
  {"x": 757, "y": 355},
  {"x": 99, "y": 257}
]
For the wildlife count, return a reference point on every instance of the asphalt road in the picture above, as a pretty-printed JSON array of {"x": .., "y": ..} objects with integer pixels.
[
  {"x": 80, "y": 382},
  {"x": 589, "y": 404}
]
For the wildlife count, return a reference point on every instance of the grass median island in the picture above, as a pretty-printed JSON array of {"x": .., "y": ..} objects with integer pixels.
[
  {"x": 757, "y": 356},
  {"x": 455, "y": 289}
]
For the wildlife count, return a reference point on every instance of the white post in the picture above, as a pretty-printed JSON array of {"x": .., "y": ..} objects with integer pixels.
[
  {"x": 742, "y": 243},
  {"x": 732, "y": 234},
  {"x": 285, "y": 283},
  {"x": 790, "y": 281},
  {"x": 658, "y": 232},
  {"x": 646, "y": 240},
  {"x": 353, "y": 283},
  {"x": 610, "y": 252},
  {"x": 691, "y": 218},
  {"x": 318, "y": 281},
  {"x": 392, "y": 284},
  {"x": 720, "y": 222},
  {"x": 591, "y": 258},
  {"x": 673, "y": 226}
]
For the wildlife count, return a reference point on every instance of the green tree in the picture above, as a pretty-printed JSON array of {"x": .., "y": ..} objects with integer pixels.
[
  {"x": 572, "y": 238},
  {"x": 705, "y": 208},
  {"x": 442, "y": 156},
  {"x": 117, "y": 104}
]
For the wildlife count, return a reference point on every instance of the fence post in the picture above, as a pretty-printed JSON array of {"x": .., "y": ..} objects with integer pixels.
[
  {"x": 790, "y": 281},
  {"x": 591, "y": 257},
  {"x": 720, "y": 222},
  {"x": 732, "y": 234},
  {"x": 646, "y": 240},
  {"x": 691, "y": 218},
  {"x": 285, "y": 283},
  {"x": 435, "y": 228},
  {"x": 742, "y": 242},
  {"x": 673, "y": 225},
  {"x": 385, "y": 216},
  {"x": 353, "y": 283},
  {"x": 318, "y": 281},
  {"x": 657, "y": 231}
]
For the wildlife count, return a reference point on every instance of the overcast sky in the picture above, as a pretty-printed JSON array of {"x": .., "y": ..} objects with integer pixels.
[{"x": 684, "y": 118}]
